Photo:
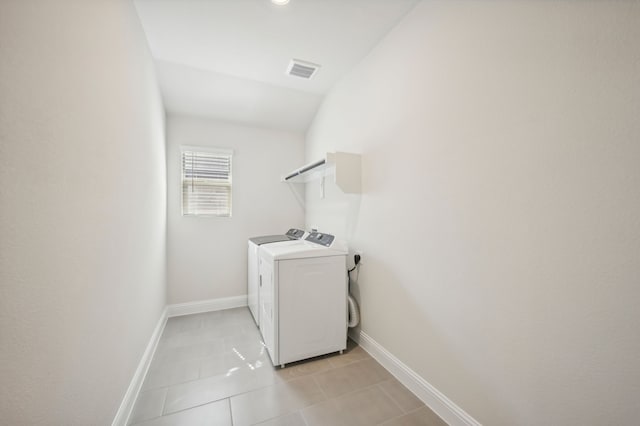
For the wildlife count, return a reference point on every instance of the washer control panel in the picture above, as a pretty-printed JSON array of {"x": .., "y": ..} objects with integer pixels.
[{"x": 322, "y": 239}]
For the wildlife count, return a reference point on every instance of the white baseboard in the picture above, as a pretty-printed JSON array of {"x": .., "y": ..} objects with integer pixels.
[
  {"x": 209, "y": 305},
  {"x": 433, "y": 398},
  {"x": 124, "y": 412}
]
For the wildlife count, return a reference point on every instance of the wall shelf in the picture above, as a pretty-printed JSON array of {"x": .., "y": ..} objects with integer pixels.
[{"x": 343, "y": 166}]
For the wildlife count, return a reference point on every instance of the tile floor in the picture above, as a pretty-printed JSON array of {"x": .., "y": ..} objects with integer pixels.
[{"x": 212, "y": 369}]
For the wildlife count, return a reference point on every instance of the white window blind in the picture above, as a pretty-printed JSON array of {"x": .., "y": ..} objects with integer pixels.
[{"x": 206, "y": 183}]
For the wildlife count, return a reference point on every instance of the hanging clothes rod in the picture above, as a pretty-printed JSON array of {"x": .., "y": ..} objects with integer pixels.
[{"x": 305, "y": 169}]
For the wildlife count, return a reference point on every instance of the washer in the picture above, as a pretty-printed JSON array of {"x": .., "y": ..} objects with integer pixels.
[
  {"x": 253, "y": 271},
  {"x": 303, "y": 298}
]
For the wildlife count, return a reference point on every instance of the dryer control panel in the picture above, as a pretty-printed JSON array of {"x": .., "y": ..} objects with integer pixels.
[
  {"x": 295, "y": 234},
  {"x": 322, "y": 239}
]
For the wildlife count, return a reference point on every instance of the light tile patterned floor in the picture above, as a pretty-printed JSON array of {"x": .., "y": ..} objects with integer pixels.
[{"x": 212, "y": 369}]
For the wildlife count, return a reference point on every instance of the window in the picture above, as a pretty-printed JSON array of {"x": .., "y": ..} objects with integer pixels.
[{"x": 206, "y": 182}]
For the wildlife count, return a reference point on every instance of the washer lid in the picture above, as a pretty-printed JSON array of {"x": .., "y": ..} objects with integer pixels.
[
  {"x": 301, "y": 250},
  {"x": 266, "y": 239},
  {"x": 292, "y": 234}
]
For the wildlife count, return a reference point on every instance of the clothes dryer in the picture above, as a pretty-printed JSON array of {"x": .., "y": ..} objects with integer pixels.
[{"x": 303, "y": 298}]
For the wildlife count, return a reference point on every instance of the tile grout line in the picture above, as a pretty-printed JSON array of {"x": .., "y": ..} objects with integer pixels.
[
  {"x": 391, "y": 396},
  {"x": 303, "y": 419},
  {"x": 151, "y": 418},
  {"x": 181, "y": 411},
  {"x": 327, "y": 399},
  {"x": 402, "y": 415},
  {"x": 354, "y": 391},
  {"x": 215, "y": 400},
  {"x": 220, "y": 399},
  {"x": 187, "y": 381},
  {"x": 299, "y": 410},
  {"x": 164, "y": 401},
  {"x": 230, "y": 410}
]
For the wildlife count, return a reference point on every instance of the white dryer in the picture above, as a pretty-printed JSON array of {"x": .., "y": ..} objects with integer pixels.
[
  {"x": 253, "y": 272},
  {"x": 303, "y": 298}
]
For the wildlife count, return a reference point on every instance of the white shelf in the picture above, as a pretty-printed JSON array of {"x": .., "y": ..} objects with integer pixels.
[{"x": 343, "y": 166}]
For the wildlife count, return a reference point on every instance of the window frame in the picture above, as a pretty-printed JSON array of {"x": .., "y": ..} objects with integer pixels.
[{"x": 208, "y": 150}]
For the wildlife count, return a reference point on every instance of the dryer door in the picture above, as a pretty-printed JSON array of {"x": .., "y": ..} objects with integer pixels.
[
  {"x": 266, "y": 301},
  {"x": 253, "y": 279}
]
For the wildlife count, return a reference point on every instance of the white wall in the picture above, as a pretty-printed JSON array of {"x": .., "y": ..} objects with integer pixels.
[
  {"x": 207, "y": 256},
  {"x": 82, "y": 209},
  {"x": 499, "y": 219}
]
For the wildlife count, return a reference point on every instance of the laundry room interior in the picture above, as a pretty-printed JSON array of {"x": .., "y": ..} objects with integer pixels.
[{"x": 319, "y": 212}]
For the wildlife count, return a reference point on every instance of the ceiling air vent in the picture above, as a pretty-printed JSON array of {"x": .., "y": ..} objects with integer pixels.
[{"x": 302, "y": 69}]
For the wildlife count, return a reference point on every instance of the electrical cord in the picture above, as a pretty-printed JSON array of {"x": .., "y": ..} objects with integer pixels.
[
  {"x": 354, "y": 310},
  {"x": 356, "y": 260}
]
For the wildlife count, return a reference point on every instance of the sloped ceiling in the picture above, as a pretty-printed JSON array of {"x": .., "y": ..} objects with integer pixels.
[{"x": 227, "y": 59}]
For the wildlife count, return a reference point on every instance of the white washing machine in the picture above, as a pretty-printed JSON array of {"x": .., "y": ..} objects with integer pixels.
[
  {"x": 253, "y": 271},
  {"x": 303, "y": 298}
]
